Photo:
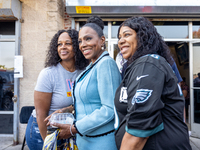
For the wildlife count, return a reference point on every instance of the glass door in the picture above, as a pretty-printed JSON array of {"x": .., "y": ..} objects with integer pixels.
[
  {"x": 116, "y": 55},
  {"x": 195, "y": 91},
  {"x": 114, "y": 49},
  {"x": 7, "y": 51}
]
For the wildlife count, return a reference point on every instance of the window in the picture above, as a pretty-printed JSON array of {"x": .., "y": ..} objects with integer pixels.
[{"x": 172, "y": 29}]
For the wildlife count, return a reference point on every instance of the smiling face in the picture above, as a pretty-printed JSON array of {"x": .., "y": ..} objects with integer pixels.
[
  {"x": 65, "y": 47},
  {"x": 127, "y": 41},
  {"x": 90, "y": 43}
]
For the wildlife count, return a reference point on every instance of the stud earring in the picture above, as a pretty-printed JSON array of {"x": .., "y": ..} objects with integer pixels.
[{"x": 102, "y": 48}]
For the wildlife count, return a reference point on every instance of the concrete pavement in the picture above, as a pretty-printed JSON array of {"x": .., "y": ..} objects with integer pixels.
[
  {"x": 6, "y": 144},
  {"x": 195, "y": 143}
]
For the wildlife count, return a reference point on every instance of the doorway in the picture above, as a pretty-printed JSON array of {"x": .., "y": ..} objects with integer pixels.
[
  {"x": 195, "y": 89},
  {"x": 7, "y": 52},
  {"x": 180, "y": 54}
]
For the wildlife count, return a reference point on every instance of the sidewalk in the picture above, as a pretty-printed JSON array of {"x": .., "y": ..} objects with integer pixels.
[
  {"x": 195, "y": 143},
  {"x": 6, "y": 144}
]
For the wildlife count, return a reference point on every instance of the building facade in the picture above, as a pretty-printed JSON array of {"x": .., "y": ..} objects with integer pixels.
[{"x": 27, "y": 26}]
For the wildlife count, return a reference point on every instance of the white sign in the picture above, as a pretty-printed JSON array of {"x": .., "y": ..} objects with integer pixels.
[{"x": 18, "y": 67}]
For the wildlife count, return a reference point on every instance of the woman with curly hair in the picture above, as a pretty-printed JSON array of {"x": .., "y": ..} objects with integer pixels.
[
  {"x": 149, "y": 102},
  {"x": 64, "y": 62}
]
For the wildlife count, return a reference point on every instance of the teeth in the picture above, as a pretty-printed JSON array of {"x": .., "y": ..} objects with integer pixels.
[
  {"x": 85, "y": 51},
  {"x": 124, "y": 48},
  {"x": 63, "y": 52}
]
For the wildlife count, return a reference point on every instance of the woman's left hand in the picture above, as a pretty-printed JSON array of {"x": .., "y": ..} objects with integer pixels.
[
  {"x": 68, "y": 109},
  {"x": 47, "y": 118}
]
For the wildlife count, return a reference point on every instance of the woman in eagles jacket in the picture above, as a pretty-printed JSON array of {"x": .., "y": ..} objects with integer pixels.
[{"x": 149, "y": 102}]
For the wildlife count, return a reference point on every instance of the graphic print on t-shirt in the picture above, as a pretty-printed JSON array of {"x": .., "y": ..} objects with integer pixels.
[{"x": 69, "y": 86}]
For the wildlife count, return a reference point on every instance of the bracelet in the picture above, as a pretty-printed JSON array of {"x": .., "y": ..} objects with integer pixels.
[
  {"x": 71, "y": 130},
  {"x": 77, "y": 129}
]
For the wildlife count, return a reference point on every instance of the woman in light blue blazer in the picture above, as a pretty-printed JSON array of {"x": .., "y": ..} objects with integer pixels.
[{"x": 94, "y": 92}]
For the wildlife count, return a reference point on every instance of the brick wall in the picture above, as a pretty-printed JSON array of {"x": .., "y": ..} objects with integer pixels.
[
  {"x": 67, "y": 21},
  {"x": 41, "y": 20}
]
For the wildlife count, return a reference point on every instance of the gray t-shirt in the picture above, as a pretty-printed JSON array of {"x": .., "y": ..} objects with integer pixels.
[{"x": 58, "y": 81}]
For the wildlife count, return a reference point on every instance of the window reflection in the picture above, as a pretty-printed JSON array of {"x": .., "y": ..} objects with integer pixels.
[
  {"x": 106, "y": 42},
  {"x": 196, "y": 81},
  {"x": 196, "y": 62},
  {"x": 7, "y": 28},
  {"x": 6, "y": 124},
  {"x": 116, "y": 51},
  {"x": 105, "y": 30},
  {"x": 7, "y": 50},
  {"x": 172, "y": 29},
  {"x": 196, "y": 30},
  {"x": 197, "y": 105},
  {"x": 114, "y": 29}
]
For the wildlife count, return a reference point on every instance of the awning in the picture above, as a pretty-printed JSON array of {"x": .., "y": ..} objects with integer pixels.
[
  {"x": 148, "y": 11},
  {"x": 9, "y": 9},
  {"x": 120, "y": 8}
]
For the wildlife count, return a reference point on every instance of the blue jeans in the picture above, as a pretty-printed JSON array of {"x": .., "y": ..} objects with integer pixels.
[{"x": 33, "y": 137}]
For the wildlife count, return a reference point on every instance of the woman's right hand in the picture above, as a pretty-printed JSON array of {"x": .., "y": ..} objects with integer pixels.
[{"x": 66, "y": 130}]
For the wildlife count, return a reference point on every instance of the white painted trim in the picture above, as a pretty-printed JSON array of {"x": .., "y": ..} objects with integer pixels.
[
  {"x": 6, "y": 112},
  {"x": 109, "y": 38},
  {"x": 6, "y": 135},
  {"x": 77, "y": 26},
  {"x": 7, "y": 40},
  {"x": 72, "y": 23}
]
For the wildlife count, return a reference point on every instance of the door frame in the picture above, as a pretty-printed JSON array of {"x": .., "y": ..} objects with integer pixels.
[
  {"x": 195, "y": 132},
  {"x": 17, "y": 41}
]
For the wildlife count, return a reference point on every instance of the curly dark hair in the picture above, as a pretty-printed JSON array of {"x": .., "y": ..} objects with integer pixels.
[
  {"x": 149, "y": 40},
  {"x": 52, "y": 57}
]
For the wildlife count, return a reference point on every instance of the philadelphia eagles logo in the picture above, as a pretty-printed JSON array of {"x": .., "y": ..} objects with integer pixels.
[{"x": 141, "y": 96}]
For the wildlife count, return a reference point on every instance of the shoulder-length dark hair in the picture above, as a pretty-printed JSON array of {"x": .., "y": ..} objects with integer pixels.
[
  {"x": 149, "y": 40},
  {"x": 52, "y": 57}
]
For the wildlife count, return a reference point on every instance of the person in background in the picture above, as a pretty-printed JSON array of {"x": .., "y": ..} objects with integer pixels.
[
  {"x": 94, "y": 92},
  {"x": 194, "y": 76},
  {"x": 2, "y": 81},
  {"x": 175, "y": 69},
  {"x": 149, "y": 102},
  {"x": 120, "y": 61},
  {"x": 64, "y": 62},
  {"x": 185, "y": 90},
  {"x": 197, "y": 81}
]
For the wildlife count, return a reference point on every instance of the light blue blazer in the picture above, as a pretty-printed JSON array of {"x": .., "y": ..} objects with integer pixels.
[{"x": 93, "y": 94}]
